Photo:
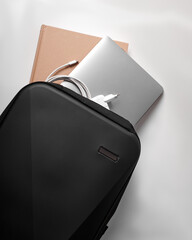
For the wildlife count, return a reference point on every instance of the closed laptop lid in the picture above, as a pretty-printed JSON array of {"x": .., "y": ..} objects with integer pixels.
[{"x": 108, "y": 69}]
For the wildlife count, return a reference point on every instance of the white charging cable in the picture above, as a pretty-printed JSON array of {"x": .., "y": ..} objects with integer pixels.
[
  {"x": 69, "y": 64},
  {"x": 83, "y": 89}
]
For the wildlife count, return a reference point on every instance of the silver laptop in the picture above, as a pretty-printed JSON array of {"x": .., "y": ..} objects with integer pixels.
[{"x": 109, "y": 69}]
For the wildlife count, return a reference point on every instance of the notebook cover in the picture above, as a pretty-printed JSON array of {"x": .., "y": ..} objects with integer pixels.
[{"x": 58, "y": 46}]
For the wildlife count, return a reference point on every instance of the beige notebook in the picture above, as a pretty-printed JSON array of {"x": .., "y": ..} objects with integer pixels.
[{"x": 58, "y": 46}]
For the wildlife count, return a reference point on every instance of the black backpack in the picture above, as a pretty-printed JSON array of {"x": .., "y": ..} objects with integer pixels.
[{"x": 65, "y": 162}]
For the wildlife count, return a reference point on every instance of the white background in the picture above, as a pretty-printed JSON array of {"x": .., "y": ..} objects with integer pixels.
[{"x": 158, "y": 201}]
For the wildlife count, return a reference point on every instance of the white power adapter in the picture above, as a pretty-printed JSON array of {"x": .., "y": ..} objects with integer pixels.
[
  {"x": 83, "y": 89},
  {"x": 104, "y": 100}
]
